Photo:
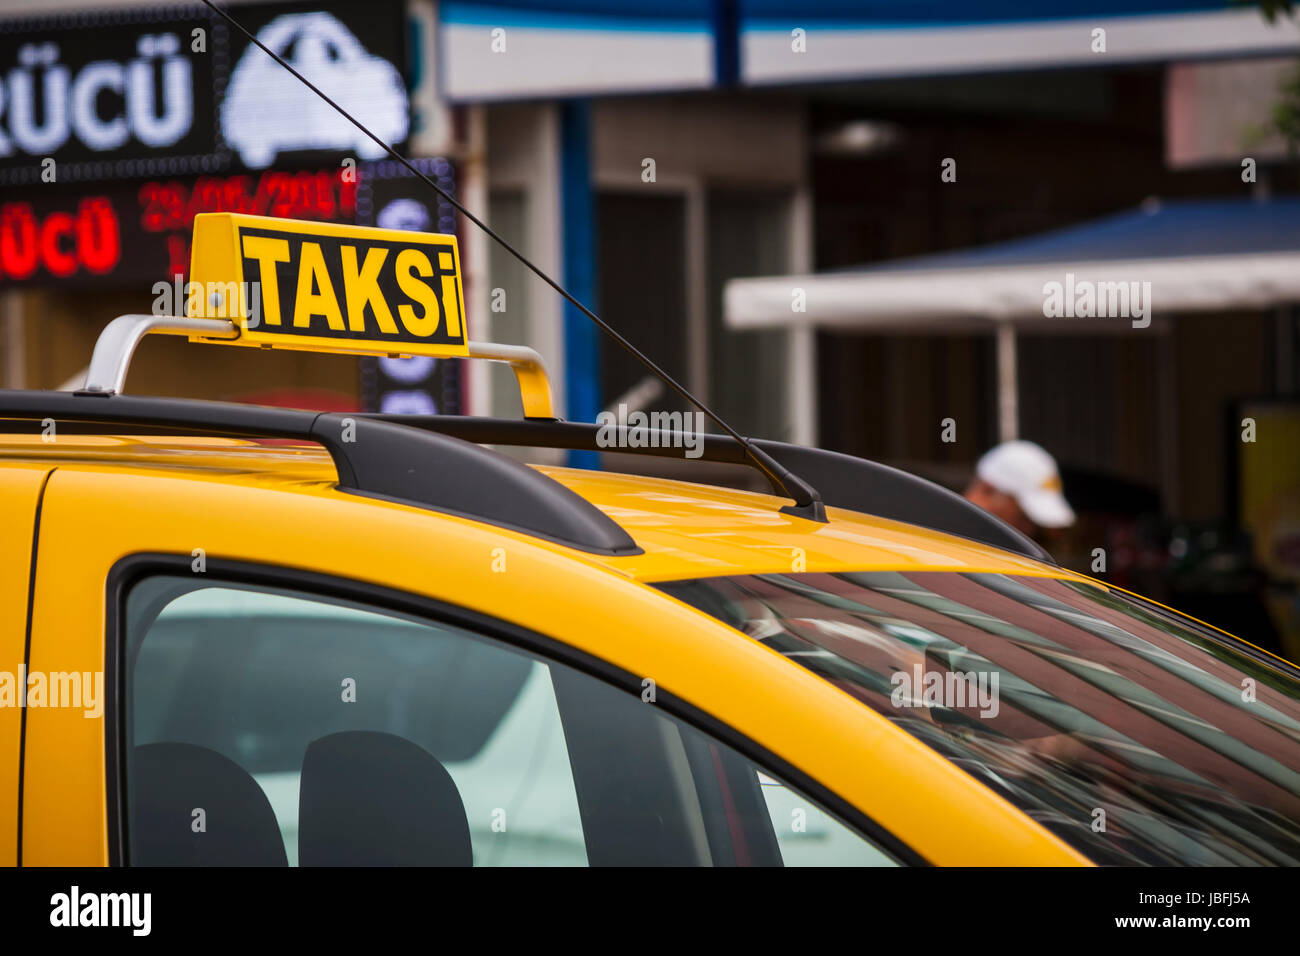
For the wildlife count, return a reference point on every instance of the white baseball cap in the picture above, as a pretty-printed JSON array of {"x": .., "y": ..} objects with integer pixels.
[{"x": 1027, "y": 473}]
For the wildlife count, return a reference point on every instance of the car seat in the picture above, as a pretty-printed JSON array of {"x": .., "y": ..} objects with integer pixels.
[
  {"x": 376, "y": 799},
  {"x": 169, "y": 782}
]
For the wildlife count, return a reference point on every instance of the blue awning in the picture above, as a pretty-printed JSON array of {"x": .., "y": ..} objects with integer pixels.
[
  {"x": 1156, "y": 229},
  {"x": 1163, "y": 257}
]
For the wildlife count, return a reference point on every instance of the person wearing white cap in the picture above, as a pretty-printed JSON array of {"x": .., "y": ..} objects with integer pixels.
[{"x": 1018, "y": 482}]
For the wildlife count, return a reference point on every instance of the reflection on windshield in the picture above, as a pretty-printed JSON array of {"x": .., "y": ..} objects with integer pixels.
[{"x": 1136, "y": 737}]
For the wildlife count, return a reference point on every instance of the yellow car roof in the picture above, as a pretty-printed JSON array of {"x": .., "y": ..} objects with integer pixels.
[
  {"x": 684, "y": 529},
  {"x": 691, "y": 530}
]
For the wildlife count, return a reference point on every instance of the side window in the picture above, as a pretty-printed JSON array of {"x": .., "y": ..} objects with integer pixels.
[
  {"x": 267, "y": 726},
  {"x": 809, "y": 836}
]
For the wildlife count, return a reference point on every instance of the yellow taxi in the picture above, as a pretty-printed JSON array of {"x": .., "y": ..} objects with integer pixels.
[{"x": 235, "y": 635}]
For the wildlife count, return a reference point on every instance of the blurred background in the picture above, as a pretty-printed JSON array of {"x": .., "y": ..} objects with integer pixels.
[{"x": 833, "y": 220}]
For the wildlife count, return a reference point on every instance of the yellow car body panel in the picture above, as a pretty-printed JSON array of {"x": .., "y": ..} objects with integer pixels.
[
  {"x": 20, "y": 490},
  {"x": 109, "y": 498},
  {"x": 690, "y": 530}
]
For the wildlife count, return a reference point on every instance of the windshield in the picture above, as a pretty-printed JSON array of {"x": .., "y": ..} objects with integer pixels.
[{"x": 1136, "y": 736}]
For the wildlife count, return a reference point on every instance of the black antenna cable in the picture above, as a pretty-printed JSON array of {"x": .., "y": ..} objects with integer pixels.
[{"x": 807, "y": 502}]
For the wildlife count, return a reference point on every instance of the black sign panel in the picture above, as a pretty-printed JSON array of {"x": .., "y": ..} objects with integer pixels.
[
  {"x": 121, "y": 235},
  {"x": 355, "y": 53},
  {"x": 107, "y": 94},
  {"x": 136, "y": 233},
  {"x": 419, "y": 385},
  {"x": 389, "y": 196},
  {"x": 354, "y": 288},
  {"x": 173, "y": 90}
]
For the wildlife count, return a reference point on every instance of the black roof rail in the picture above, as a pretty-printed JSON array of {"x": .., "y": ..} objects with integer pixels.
[
  {"x": 375, "y": 458},
  {"x": 855, "y": 484}
]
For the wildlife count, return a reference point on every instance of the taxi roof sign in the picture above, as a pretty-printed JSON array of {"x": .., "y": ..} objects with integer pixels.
[{"x": 326, "y": 287}]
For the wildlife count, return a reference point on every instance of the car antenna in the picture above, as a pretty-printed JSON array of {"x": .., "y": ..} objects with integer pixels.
[{"x": 807, "y": 501}]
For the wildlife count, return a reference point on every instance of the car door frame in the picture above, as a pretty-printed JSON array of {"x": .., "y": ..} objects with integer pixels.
[
  {"x": 221, "y": 572},
  {"x": 22, "y": 488}
]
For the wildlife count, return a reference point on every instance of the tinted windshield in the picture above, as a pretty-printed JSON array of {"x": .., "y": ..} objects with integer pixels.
[{"x": 1137, "y": 736}]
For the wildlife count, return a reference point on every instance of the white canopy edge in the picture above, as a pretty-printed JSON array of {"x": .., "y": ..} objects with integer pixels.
[{"x": 978, "y": 298}]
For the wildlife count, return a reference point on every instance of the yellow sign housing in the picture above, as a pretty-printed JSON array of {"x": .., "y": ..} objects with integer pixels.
[{"x": 324, "y": 287}]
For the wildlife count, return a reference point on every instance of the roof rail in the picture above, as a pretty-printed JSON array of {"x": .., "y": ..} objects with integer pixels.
[
  {"x": 373, "y": 457},
  {"x": 855, "y": 484}
]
